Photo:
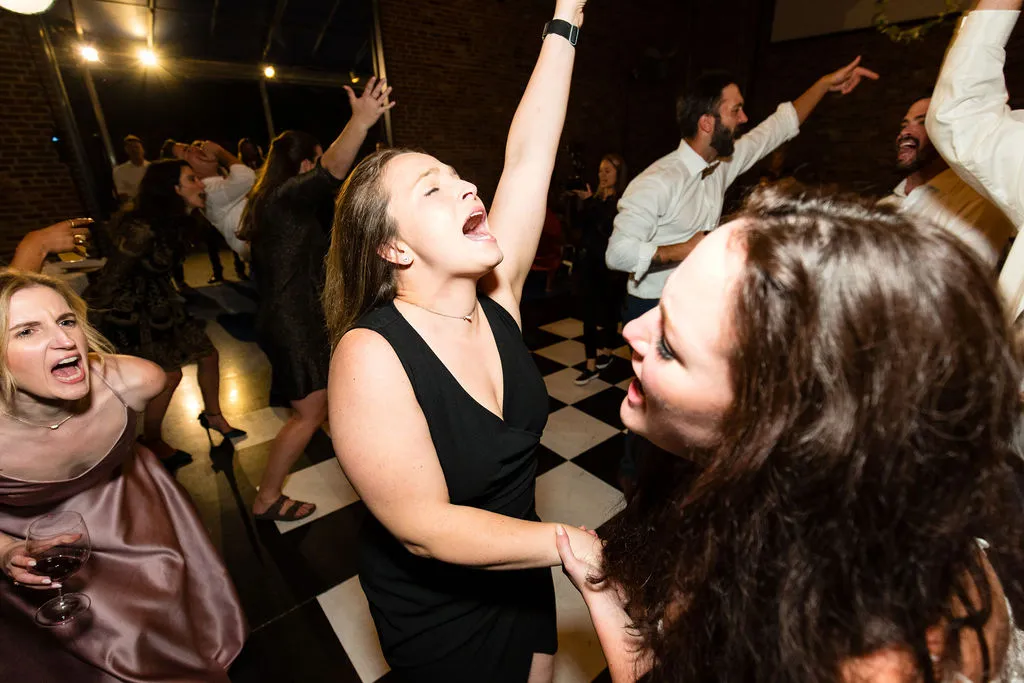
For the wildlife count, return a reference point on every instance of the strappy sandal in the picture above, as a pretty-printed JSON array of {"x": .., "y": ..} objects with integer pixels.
[{"x": 274, "y": 514}]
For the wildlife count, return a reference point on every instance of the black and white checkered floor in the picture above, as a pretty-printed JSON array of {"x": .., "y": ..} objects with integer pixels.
[{"x": 298, "y": 580}]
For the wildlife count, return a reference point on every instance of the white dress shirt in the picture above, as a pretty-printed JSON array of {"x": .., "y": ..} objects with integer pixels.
[
  {"x": 225, "y": 202},
  {"x": 950, "y": 203},
  {"x": 671, "y": 201},
  {"x": 127, "y": 177},
  {"x": 971, "y": 125}
]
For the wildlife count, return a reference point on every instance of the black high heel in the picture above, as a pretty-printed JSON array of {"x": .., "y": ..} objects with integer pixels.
[{"x": 204, "y": 421}]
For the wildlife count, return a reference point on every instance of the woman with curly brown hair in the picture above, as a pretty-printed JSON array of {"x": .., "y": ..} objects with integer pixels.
[{"x": 846, "y": 379}]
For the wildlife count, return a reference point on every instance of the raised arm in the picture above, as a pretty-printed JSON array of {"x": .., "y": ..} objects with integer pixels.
[
  {"x": 34, "y": 247},
  {"x": 842, "y": 81},
  {"x": 969, "y": 121},
  {"x": 397, "y": 473},
  {"x": 972, "y": 127},
  {"x": 366, "y": 110},
  {"x": 517, "y": 213},
  {"x": 785, "y": 123}
]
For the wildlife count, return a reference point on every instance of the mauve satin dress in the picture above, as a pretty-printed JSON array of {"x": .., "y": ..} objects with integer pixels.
[{"x": 163, "y": 606}]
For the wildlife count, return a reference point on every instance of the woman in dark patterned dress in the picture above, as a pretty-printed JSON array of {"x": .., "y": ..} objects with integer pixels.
[{"x": 134, "y": 305}]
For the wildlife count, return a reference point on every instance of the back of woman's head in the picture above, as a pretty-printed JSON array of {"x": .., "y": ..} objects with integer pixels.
[
  {"x": 868, "y": 445},
  {"x": 358, "y": 277},
  {"x": 284, "y": 160},
  {"x": 157, "y": 199}
]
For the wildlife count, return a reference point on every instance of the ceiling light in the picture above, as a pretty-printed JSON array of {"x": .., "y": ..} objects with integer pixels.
[
  {"x": 269, "y": 72},
  {"x": 26, "y": 6},
  {"x": 148, "y": 57},
  {"x": 89, "y": 53}
]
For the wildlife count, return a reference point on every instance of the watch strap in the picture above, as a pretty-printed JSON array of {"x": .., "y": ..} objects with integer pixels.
[{"x": 563, "y": 28}]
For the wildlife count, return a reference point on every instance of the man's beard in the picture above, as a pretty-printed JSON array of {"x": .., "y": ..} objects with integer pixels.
[
  {"x": 924, "y": 156},
  {"x": 723, "y": 139}
]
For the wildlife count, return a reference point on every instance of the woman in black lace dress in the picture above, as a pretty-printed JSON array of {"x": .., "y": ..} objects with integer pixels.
[
  {"x": 135, "y": 306},
  {"x": 287, "y": 221}
]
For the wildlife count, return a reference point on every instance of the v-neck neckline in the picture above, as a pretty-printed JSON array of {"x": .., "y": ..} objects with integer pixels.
[{"x": 451, "y": 375}]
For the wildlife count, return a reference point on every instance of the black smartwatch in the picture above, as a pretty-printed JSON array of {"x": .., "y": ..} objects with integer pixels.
[{"x": 563, "y": 28}]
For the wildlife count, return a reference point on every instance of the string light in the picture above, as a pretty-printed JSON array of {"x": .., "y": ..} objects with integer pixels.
[{"x": 269, "y": 72}]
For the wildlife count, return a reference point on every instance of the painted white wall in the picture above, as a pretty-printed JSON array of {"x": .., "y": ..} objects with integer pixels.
[{"x": 803, "y": 18}]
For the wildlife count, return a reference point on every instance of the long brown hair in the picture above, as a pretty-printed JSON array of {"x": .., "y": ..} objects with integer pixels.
[
  {"x": 358, "y": 277},
  {"x": 13, "y": 281},
  {"x": 870, "y": 443},
  {"x": 621, "y": 172},
  {"x": 287, "y": 152}
]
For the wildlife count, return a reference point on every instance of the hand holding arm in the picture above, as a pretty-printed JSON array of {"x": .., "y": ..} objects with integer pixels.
[
  {"x": 366, "y": 111},
  {"x": 627, "y": 659},
  {"x": 398, "y": 475},
  {"x": 842, "y": 81}
]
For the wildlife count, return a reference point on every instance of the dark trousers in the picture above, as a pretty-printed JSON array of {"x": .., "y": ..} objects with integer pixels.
[
  {"x": 601, "y": 297},
  {"x": 634, "y": 307},
  {"x": 214, "y": 243}
]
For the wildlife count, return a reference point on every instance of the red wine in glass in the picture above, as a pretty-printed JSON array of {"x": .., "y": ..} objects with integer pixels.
[
  {"x": 59, "y": 543},
  {"x": 60, "y": 562}
]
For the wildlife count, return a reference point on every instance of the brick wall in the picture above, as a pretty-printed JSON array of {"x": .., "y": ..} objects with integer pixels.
[
  {"x": 851, "y": 140},
  {"x": 458, "y": 81},
  {"x": 36, "y": 188},
  {"x": 459, "y": 68}
]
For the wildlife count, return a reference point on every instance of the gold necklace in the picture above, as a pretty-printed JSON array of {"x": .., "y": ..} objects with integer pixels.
[
  {"x": 53, "y": 427},
  {"x": 468, "y": 318}
]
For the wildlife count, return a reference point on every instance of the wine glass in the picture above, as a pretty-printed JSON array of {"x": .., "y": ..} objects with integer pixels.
[{"x": 59, "y": 543}]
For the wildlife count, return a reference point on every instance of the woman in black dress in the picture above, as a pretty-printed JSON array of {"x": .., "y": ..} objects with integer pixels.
[
  {"x": 436, "y": 407},
  {"x": 601, "y": 290},
  {"x": 287, "y": 219},
  {"x": 134, "y": 305}
]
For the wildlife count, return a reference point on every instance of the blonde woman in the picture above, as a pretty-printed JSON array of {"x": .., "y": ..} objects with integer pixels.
[{"x": 163, "y": 607}]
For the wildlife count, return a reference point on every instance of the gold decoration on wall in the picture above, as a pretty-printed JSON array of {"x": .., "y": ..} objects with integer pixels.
[{"x": 912, "y": 33}]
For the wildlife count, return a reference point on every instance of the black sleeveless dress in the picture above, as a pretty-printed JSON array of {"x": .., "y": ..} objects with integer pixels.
[{"x": 443, "y": 622}]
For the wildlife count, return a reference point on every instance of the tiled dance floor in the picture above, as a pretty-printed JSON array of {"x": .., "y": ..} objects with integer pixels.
[{"x": 298, "y": 580}]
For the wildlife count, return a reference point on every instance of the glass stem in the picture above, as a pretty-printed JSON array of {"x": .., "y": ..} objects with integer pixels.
[{"x": 60, "y": 596}]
